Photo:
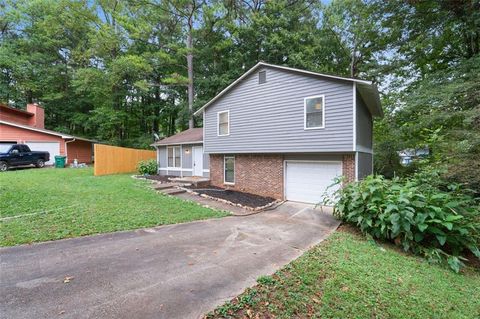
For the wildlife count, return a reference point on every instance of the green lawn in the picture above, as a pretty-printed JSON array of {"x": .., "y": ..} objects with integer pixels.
[
  {"x": 350, "y": 277},
  {"x": 61, "y": 203}
]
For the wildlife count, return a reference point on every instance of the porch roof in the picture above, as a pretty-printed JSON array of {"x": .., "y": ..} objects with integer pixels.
[{"x": 190, "y": 136}]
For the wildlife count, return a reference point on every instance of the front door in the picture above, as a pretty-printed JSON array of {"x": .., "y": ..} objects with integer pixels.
[{"x": 198, "y": 161}]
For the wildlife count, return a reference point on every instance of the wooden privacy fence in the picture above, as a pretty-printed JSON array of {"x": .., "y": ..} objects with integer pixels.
[{"x": 115, "y": 160}]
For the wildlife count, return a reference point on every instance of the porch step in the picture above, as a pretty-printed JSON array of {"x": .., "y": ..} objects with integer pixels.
[
  {"x": 192, "y": 180},
  {"x": 159, "y": 187},
  {"x": 173, "y": 191}
]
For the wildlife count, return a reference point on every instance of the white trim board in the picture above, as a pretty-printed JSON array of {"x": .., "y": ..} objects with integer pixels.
[{"x": 354, "y": 116}]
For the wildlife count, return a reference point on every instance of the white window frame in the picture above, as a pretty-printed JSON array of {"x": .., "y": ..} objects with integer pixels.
[
  {"x": 305, "y": 112},
  {"x": 224, "y": 169},
  {"x": 172, "y": 168},
  {"x": 218, "y": 122}
]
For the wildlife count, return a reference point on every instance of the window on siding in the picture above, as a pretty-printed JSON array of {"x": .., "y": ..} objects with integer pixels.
[
  {"x": 314, "y": 112},
  {"x": 229, "y": 169},
  {"x": 262, "y": 77},
  {"x": 174, "y": 159},
  {"x": 223, "y": 123}
]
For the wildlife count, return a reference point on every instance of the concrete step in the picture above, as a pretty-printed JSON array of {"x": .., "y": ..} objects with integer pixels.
[
  {"x": 159, "y": 187},
  {"x": 173, "y": 191}
]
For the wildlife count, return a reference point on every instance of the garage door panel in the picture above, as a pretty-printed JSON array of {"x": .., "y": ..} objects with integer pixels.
[
  {"x": 51, "y": 147},
  {"x": 308, "y": 181}
]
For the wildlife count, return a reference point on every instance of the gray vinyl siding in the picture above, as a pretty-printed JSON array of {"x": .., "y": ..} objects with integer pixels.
[
  {"x": 206, "y": 164},
  {"x": 364, "y": 126},
  {"x": 206, "y": 161},
  {"x": 174, "y": 173},
  {"x": 187, "y": 156},
  {"x": 269, "y": 117},
  {"x": 187, "y": 161},
  {"x": 365, "y": 165},
  {"x": 170, "y": 173},
  {"x": 162, "y": 156}
]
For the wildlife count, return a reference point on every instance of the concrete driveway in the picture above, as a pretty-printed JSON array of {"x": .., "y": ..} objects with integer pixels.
[{"x": 175, "y": 271}]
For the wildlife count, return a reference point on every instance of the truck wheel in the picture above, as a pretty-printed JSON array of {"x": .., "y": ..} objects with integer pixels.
[
  {"x": 3, "y": 166},
  {"x": 40, "y": 163}
]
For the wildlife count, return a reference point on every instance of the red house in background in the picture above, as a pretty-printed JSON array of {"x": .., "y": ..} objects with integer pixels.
[{"x": 27, "y": 127}]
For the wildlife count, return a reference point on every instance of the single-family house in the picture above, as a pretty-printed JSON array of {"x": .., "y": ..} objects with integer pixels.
[
  {"x": 28, "y": 127},
  {"x": 280, "y": 132},
  {"x": 409, "y": 155}
]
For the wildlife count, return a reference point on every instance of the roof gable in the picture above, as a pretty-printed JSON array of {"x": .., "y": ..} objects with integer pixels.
[{"x": 367, "y": 89}]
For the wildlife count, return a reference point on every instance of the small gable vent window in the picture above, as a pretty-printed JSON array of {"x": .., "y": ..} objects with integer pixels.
[{"x": 262, "y": 77}]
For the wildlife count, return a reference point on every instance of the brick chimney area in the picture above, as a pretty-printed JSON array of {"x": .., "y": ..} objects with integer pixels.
[{"x": 38, "y": 118}]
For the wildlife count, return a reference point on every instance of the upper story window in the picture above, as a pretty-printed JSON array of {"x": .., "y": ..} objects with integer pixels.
[
  {"x": 173, "y": 153},
  {"x": 314, "y": 112},
  {"x": 223, "y": 123},
  {"x": 262, "y": 77}
]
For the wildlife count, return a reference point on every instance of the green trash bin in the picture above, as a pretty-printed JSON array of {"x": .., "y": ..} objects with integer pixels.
[{"x": 60, "y": 161}]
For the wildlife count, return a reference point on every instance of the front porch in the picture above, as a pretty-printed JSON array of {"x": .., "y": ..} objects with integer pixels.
[{"x": 182, "y": 155}]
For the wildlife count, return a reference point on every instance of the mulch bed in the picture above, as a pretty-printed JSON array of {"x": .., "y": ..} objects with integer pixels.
[
  {"x": 160, "y": 178},
  {"x": 236, "y": 197}
]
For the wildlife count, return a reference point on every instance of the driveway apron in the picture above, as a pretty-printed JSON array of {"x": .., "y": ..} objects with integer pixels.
[{"x": 174, "y": 271}]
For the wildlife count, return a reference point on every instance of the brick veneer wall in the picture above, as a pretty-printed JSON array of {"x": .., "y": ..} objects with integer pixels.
[
  {"x": 260, "y": 174},
  {"x": 349, "y": 167}
]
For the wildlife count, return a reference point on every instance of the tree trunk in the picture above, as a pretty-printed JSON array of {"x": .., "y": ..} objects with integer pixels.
[
  {"x": 156, "y": 111},
  {"x": 190, "y": 67}
]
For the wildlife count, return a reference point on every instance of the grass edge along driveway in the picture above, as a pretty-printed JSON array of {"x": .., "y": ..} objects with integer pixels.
[
  {"x": 49, "y": 204},
  {"x": 348, "y": 276}
]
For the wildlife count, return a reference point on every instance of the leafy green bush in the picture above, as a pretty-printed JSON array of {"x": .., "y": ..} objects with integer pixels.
[
  {"x": 148, "y": 167},
  {"x": 415, "y": 214}
]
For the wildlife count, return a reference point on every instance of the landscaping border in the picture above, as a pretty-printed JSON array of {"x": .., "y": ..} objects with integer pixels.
[{"x": 253, "y": 209}]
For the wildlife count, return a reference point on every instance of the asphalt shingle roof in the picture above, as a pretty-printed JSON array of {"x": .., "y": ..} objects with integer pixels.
[{"x": 193, "y": 135}]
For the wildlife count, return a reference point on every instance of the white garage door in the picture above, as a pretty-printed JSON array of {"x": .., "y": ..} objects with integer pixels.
[
  {"x": 52, "y": 147},
  {"x": 307, "y": 181}
]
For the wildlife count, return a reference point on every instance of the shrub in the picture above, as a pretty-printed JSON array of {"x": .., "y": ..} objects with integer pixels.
[
  {"x": 148, "y": 167},
  {"x": 415, "y": 214}
]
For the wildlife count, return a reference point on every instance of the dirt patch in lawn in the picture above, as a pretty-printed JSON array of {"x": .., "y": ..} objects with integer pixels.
[
  {"x": 235, "y": 197},
  {"x": 160, "y": 178}
]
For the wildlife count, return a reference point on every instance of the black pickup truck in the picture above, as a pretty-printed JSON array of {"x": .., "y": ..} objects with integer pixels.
[{"x": 20, "y": 154}]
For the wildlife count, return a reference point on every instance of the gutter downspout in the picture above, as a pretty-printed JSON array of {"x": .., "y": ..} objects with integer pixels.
[{"x": 66, "y": 149}]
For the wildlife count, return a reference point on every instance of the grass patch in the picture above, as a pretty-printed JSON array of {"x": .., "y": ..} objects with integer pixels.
[
  {"x": 61, "y": 203},
  {"x": 350, "y": 277}
]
